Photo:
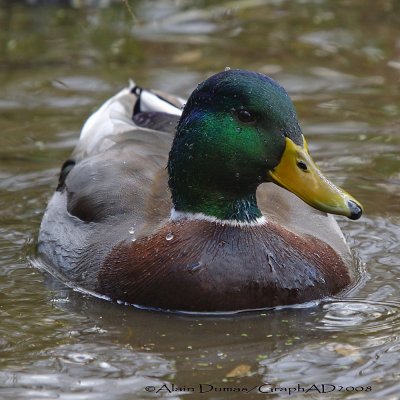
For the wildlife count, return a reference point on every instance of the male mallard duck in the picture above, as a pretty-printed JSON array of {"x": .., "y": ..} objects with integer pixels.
[{"x": 222, "y": 227}]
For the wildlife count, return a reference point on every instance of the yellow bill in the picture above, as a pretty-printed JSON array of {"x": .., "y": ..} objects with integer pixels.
[{"x": 298, "y": 173}]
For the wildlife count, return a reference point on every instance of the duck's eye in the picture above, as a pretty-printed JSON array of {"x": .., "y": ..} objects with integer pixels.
[{"x": 245, "y": 116}]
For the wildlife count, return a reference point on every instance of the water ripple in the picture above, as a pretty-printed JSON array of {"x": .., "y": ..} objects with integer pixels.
[{"x": 360, "y": 315}]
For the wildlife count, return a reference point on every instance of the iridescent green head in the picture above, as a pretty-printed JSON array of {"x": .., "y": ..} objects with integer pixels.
[{"x": 233, "y": 135}]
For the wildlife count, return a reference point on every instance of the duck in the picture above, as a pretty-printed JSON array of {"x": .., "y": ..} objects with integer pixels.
[{"x": 213, "y": 204}]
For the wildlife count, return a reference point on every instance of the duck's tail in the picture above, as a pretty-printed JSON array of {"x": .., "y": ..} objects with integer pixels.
[{"x": 115, "y": 116}]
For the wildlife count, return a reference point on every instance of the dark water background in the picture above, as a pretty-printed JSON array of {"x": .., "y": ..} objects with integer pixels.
[{"x": 340, "y": 62}]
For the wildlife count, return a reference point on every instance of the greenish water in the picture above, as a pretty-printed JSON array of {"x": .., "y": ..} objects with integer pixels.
[{"x": 340, "y": 62}]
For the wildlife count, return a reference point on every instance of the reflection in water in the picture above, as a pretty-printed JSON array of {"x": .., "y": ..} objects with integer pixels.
[{"x": 340, "y": 64}]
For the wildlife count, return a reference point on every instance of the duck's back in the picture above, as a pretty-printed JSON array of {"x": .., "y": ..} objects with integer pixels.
[{"x": 114, "y": 187}]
